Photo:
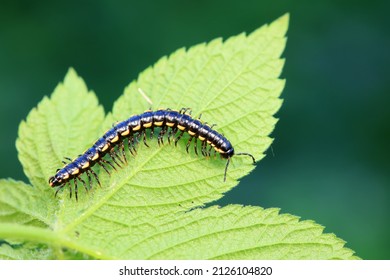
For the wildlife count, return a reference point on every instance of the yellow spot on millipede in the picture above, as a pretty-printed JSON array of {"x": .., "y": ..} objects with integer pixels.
[
  {"x": 105, "y": 147},
  {"x": 76, "y": 171},
  {"x": 113, "y": 140},
  {"x": 95, "y": 157}
]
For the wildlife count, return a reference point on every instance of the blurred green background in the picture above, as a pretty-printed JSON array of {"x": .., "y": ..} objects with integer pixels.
[{"x": 331, "y": 150}]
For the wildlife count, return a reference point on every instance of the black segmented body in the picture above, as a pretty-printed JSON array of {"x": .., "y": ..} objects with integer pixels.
[{"x": 173, "y": 123}]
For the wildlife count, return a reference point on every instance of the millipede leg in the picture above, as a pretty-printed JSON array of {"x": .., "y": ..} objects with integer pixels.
[
  {"x": 108, "y": 162},
  {"x": 122, "y": 147},
  {"x": 144, "y": 138},
  {"x": 185, "y": 110},
  {"x": 96, "y": 177},
  {"x": 58, "y": 189},
  {"x": 82, "y": 181},
  {"x": 189, "y": 143},
  {"x": 209, "y": 151},
  {"x": 178, "y": 137},
  {"x": 131, "y": 146},
  {"x": 171, "y": 132},
  {"x": 114, "y": 156},
  {"x": 105, "y": 168},
  {"x": 135, "y": 139},
  {"x": 204, "y": 147},
  {"x": 160, "y": 138},
  {"x": 151, "y": 132},
  {"x": 134, "y": 150},
  {"x": 76, "y": 188},
  {"x": 68, "y": 159},
  {"x": 89, "y": 178},
  {"x": 174, "y": 131},
  {"x": 226, "y": 168},
  {"x": 196, "y": 146}
]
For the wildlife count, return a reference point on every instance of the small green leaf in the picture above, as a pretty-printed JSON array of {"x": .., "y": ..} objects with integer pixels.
[
  {"x": 150, "y": 208},
  {"x": 24, "y": 205}
]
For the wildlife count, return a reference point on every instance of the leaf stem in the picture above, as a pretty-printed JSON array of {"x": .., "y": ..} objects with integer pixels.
[{"x": 46, "y": 236}]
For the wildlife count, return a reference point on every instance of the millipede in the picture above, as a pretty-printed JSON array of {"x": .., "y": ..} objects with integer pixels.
[{"x": 170, "y": 122}]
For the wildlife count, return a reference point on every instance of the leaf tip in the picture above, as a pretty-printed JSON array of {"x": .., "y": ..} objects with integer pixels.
[
  {"x": 72, "y": 79},
  {"x": 71, "y": 71},
  {"x": 280, "y": 25}
]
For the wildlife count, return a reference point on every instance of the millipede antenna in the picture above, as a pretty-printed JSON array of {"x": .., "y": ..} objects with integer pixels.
[
  {"x": 246, "y": 154},
  {"x": 228, "y": 162}
]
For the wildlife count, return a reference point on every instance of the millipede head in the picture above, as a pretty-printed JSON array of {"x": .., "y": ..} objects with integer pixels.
[
  {"x": 54, "y": 181},
  {"x": 60, "y": 178}
]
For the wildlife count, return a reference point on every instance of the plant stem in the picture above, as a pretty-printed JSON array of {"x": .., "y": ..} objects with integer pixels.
[{"x": 46, "y": 236}]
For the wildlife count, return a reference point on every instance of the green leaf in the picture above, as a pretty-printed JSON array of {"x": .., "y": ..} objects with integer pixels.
[{"x": 150, "y": 208}]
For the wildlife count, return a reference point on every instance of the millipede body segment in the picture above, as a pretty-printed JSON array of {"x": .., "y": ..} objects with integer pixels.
[{"x": 170, "y": 122}]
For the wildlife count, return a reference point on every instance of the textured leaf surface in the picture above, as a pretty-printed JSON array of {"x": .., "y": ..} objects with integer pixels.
[
  {"x": 7, "y": 252},
  {"x": 60, "y": 126},
  {"x": 150, "y": 208}
]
